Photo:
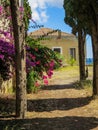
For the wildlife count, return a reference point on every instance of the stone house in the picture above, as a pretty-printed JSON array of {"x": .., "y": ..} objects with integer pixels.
[{"x": 64, "y": 43}]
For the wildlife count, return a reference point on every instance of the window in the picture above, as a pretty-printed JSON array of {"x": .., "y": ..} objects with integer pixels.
[
  {"x": 73, "y": 53},
  {"x": 57, "y": 49}
]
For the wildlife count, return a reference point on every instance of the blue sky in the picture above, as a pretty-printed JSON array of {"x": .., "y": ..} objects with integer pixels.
[{"x": 50, "y": 13}]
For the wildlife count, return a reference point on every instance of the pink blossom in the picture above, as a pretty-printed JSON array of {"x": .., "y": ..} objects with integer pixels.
[
  {"x": 1, "y": 9},
  {"x": 38, "y": 62},
  {"x": 49, "y": 76},
  {"x": 44, "y": 77},
  {"x": 37, "y": 84},
  {"x": 45, "y": 82},
  {"x": 52, "y": 63},
  {"x": 9, "y": 17},
  {"x": 33, "y": 57},
  {"x": 50, "y": 72},
  {"x": 21, "y": 9},
  {"x": 1, "y": 56}
]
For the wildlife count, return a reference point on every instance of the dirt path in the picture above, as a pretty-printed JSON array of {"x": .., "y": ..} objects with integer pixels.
[{"x": 59, "y": 106}]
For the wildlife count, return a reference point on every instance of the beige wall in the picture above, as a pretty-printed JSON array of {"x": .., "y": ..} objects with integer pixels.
[
  {"x": 65, "y": 44},
  {"x": 57, "y": 39}
]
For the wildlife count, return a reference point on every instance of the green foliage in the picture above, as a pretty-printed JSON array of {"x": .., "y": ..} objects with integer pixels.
[
  {"x": 43, "y": 61},
  {"x": 76, "y": 15},
  {"x": 27, "y": 14},
  {"x": 80, "y": 14},
  {"x": 32, "y": 78},
  {"x": 61, "y": 59},
  {"x": 83, "y": 84},
  {"x": 43, "y": 53},
  {"x": 5, "y": 2},
  {"x": 71, "y": 61},
  {"x": 27, "y": 11}
]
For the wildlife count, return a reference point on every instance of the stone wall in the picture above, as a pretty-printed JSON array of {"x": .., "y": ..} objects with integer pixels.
[{"x": 7, "y": 86}]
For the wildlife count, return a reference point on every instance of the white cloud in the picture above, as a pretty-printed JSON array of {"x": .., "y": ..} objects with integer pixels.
[
  {"x": 56, "y": 3},
  {"x": 44, "y": 16},
  {"x": 39, "y": 8}
]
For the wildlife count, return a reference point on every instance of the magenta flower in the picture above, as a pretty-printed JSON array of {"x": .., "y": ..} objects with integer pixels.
[
  {"x": 1, "y": 9},
  {"x": 1, "y": 56},
  {"x": 50, "y": 72},
  {"x": 37, "y": 84},
  {"x": 33, "y": 57},
  {"x": 9, "y": 17},
  {"x": 38, "y": 62},
  {"x": 44, "y": 77},
  {"x": 21, "y": 9},
  {"x": 45, "y": 82},
  {"x": 52, "y": 64}
]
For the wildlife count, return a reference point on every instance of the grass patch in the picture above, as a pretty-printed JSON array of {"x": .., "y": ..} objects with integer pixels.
[
  {"x": 67, "y": 72},
  {"x": 85, "y": 84},
  {"x": 68, "y": 68}
]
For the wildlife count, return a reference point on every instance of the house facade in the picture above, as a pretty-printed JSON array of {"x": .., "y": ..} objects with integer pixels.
[{"x": 64, "y": 43}]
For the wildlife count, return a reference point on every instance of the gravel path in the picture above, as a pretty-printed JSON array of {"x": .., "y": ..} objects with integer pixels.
[{"x": 59, "y": 106}]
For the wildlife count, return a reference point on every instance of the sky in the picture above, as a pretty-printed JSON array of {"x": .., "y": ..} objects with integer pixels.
[{"x": 50, "y": 14}]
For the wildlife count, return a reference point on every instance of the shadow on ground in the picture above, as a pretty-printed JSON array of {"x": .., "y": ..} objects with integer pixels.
[
  {"x": 57, "y": 104},
  {"x": 61, "y": 123},
  {"x": 57, "y": 87},
  {"x": 7, "y": 106}
]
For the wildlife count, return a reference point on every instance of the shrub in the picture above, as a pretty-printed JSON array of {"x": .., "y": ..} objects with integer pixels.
[
  {"x": 71, "y": 61},
  {"x": 41, "y": 61}
]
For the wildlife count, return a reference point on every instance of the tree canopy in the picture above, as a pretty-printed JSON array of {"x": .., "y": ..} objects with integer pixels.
[{"x": 84, "y": 15}]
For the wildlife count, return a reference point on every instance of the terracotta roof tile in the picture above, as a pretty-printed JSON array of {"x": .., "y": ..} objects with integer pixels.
[{"x": 44, "y": 31}]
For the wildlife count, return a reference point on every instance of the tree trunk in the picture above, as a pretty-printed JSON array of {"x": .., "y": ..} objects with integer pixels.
[
  {"x": 95, "y": 60},
  {"x": 81, "y": 48},
  {"x": 20, "y": 59}
]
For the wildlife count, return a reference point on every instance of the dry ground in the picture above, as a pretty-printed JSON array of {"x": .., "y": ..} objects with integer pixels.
[{"x": 59, "y": 106}]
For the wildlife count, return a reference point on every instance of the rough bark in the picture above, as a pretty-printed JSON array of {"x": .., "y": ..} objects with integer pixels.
[
  {"x": 81, "y": 48},
  {"x": 95, "y": 60},
  {"x": 20, "y": 59}
]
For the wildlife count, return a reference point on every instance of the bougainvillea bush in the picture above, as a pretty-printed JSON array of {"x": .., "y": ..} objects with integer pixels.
[
  {"x": 7, "y": 54},
  {"x": 40, "y": 60},
  {"x": 40, "y": 63}
]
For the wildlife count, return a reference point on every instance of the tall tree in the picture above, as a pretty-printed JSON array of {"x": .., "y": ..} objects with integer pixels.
[
  {"x": 77, "y": 28},
  {"x": 89, "y": 18},
  {"x": 81, "y": 48},
  {"x": 19, "y": 40},
  {"x": 93, "y": 23}
]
